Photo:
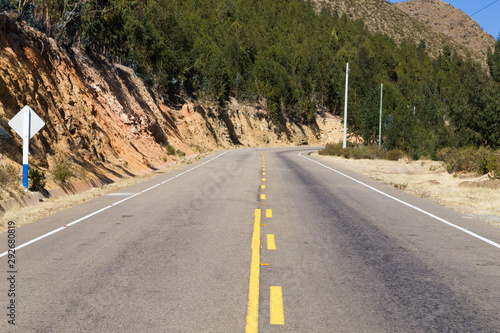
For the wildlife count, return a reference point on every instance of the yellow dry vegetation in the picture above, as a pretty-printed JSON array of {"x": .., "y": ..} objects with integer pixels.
[{"x": 477, "y": 196}]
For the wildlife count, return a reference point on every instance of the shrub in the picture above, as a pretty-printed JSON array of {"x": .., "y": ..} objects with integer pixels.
[
  {"x": 37, "y": 179},
  {"x": 493, "y": 164},
  {"x": 460, "y": 160},
  {"x": 8, "y": 175},
  {"x": 180, "y": 153},
  {"x": 62, "y": 172},
  {"x": 356, "y": 152},
  {"x": 170, "y": 149},
  {"x": 471, "y": 159},
  {"x": 394, "y": 154},
  {"x": 334, "y": 149}
]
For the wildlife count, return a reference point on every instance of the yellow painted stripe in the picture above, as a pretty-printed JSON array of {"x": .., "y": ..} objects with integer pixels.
[
  {"x": 269, "y": 213},
  {"x": 263, "y": 179},
  {"x": 263, "y": 264},
  {"x": 263, "y": 174},
  {"x": 252, "y": 320},
  {"x": 262, "y": 186},
  {"x": 276, "y": 306},
  {"x": 263, "y": 197},
  {"x": 271, "y": 245}
]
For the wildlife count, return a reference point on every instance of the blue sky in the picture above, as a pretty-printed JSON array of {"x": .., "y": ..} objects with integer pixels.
[{"x": 488, "y": 18}]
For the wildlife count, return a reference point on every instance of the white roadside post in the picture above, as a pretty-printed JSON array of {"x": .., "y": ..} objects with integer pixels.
[
  {"x": 345, "y": 105},
  {"x": 26, "y": 123},
  {"x": 380, "y": 118}
]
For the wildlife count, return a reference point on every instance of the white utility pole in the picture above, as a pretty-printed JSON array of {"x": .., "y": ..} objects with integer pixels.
[
  {"x": 345, "y": 105},
  {"x": 380, "y": 120}
]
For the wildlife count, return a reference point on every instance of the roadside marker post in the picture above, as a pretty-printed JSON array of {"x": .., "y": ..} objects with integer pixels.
[{"x": 26, "y": 123}]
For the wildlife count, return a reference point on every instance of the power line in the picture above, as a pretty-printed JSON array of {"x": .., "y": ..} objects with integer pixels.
[{"x": 485, "y": 7}]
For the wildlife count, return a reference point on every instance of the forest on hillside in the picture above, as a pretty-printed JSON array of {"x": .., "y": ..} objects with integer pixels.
[{"x": 290, "y": 57}]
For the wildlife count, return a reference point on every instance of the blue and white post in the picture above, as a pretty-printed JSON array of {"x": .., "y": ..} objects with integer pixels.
[
  {"x": 26, "y": 123},
  {"x": 26, "y": 142}
]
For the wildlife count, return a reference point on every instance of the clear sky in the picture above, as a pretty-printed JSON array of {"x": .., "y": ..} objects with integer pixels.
[{"x": 488, "y": 18}]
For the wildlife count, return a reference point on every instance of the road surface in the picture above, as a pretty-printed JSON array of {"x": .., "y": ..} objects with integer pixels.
[{"x": 267, "y": 240}]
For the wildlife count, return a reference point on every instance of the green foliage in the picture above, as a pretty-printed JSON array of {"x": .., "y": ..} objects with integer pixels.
[
  {"x": 180, "y": 153},
  {"x": 37, "y": 179},
  {"x": 170, "y": 149},
  {"x": 62, "y": 172},
  {"x": 494, "y": 61}
]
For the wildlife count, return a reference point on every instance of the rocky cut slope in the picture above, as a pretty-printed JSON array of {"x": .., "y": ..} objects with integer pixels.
[
  {"x": 105, "y": 122},
  {"x": 97, "y": 115},
  {"x": 419, "y": 20}
]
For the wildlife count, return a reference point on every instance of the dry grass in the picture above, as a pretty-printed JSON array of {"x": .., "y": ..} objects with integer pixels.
[
  {"x": 28, "y": 214},
  {"x": 429, "y": 179}
]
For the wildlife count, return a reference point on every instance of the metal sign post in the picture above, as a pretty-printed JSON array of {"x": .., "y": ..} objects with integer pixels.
[{"x": 26, "y": 123}]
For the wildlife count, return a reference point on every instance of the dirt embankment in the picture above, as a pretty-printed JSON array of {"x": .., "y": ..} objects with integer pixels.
[{"x": 103, "y": 120}]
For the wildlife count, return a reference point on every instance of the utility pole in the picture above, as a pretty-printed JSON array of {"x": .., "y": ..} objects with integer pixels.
[
  {"x": 380, "y": 119},
  {"x": 345, "y": 105}
]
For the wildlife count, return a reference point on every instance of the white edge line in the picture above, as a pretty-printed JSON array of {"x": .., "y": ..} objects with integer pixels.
[
  {"x": 407, "y": 204},
  {"x": 107, "y": 207}
]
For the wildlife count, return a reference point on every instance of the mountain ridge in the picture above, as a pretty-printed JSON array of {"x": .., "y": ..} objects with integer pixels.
[
  {"x": 413, "y": 20},
  {"x": 450, "y": 21}
]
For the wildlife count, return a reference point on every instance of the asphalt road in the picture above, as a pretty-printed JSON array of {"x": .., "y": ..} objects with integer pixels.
[{"x": 174, "y": 254}]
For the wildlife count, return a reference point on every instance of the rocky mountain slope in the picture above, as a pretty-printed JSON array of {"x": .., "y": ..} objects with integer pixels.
[
  {"x": 105, "y": 123},
  {"x": 419, "y": 20},
  {"x": 450, "y": 21}
]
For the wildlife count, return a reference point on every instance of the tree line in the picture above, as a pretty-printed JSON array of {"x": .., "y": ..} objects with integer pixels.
[{"x": 290, "y": 56}]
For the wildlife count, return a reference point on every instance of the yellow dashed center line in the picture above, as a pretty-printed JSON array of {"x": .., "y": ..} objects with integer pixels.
[
  {"x": 271, "y": 245},
  {"x": 277, "y": 316},
  {"x": 276, "y": 306}
]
